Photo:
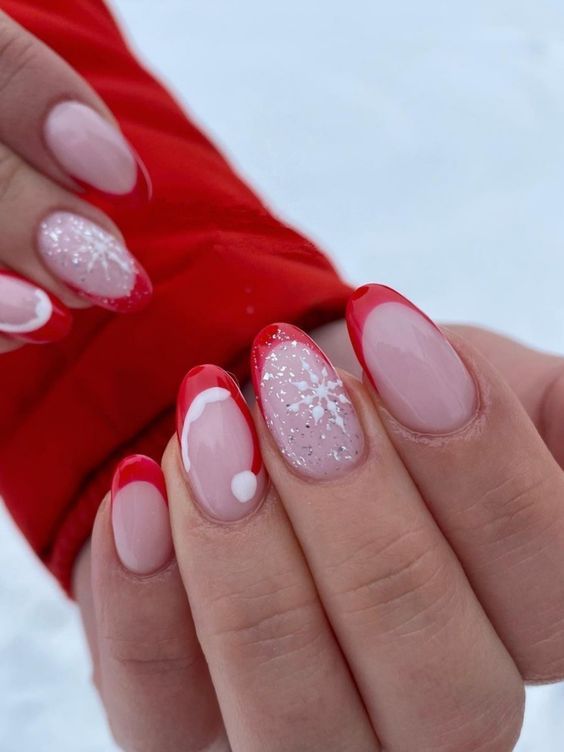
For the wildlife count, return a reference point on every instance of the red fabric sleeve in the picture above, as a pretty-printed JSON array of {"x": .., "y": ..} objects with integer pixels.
[{"x": 222, "y": 266}]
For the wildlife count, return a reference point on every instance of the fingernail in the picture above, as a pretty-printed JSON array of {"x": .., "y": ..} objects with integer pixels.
[
  {"x": 30, "y": 314},
  {"x": 93, "y": 150},
  {"x": 219, "y": 445},
  {"x": 93, "y": 262},
  {"x": 140, "y": 518},
  {"x": 304, "y": 403},
  {"x": 418, "y": 374}
]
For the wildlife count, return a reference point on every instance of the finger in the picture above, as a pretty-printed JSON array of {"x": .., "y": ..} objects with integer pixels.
[
  {"x": 64, "y": 244},
  {"x": 427, "y": 661},
  {"x": 67, "y": 130},
  {"x": 536, "y": 377},
  {"x": 280, "y": 678},
  {"x": 29, "y": 314},
  {"x": 82, "y": 592},
  {"x": 8, "y": 345},
  {"x": 488, "y": 478},
  {"x": 154, "y": 681}
]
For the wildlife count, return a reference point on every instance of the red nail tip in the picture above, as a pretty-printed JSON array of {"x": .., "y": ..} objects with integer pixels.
[
  {"x": 51, "y": 329},
  {"x": 140, "y": 195},
  {"x": 361, "y": 303},
  {"x": 207, "y": 376},
  {"x": 135, "y": 468},
  {"x": 136, "y": 301},
  {"x": 270, "y": 335}
]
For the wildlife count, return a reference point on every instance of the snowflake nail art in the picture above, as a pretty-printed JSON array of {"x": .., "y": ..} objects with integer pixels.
[
  {"x": 93, "y": 262},
  {"x": 304, "y": 403}
]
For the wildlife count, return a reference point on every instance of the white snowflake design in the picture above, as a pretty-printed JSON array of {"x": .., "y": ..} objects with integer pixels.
[
  {"x": 102, "y": 252},
  {"x": 320, "y": 395}
]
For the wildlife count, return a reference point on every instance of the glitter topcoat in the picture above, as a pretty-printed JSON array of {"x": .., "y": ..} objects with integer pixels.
[{"x": 304, "y": 403}]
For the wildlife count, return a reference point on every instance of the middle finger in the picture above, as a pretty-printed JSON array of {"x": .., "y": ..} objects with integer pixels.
[{"x": 425, "y": 657}]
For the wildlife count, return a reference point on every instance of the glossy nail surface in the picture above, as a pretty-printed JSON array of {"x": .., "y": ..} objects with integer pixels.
[
  {"x": 30, "y": 314},
  {"x": 93, "y": 150},
  {"x": 304, "y": 403},
  {"x": 93, "y": 262},
  {"x": 418, "y": 374},
  {"x": 218, "y": 444},
  {"x": 140, "y": 518}
]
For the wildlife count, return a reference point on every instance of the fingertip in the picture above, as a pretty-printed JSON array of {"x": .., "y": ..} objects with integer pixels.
[{"x": 139, "y": 516}]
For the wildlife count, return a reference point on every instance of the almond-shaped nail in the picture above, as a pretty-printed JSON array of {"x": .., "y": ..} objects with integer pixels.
[
  {"x": 304, "y": 403},
  {"x": 219, "y": 445},
  {"x": 30, "y": 314},
  {"x": 94, "y": 151},
  {"x": 93, "y": 262},
  {"x": 418, "y": 374},
  {"x": 140, "y": 519}
]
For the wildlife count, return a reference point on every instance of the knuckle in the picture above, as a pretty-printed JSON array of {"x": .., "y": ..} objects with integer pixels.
[
  {"x": 513, "y": 511},
  {"x": 18, "y": 51},
  {"x": 397, "y": 583},
  {"x": 11, "y": 171},
  {"x": 151, "y": 657},
  {"x": 274, "y": 618}
]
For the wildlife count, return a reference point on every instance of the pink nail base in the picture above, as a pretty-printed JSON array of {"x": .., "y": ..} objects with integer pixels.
[
  {"x": 140, "y": 519},
  {"x": 418, "y": 374},
  {"x": 219, "y": 446}
]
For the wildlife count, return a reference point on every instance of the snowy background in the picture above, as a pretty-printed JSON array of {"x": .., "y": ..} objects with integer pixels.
[{"x": 422, "y": 145}]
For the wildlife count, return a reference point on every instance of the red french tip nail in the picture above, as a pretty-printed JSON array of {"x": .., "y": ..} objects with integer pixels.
[
  {"x": 304, "y": 403},
  {"x": 138, "y": 197},
  {"x": 420, "y": 377},
  {"x": 361, "y": 304},
  {"x": 30, "y": 314},
  {"x": 219, "y": 446},
  {"x": 138, "y": 467}
]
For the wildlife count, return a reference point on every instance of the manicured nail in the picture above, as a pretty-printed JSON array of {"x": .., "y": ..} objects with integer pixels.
[
  {"x": 93, "y": 151},
  {"x": 30, "y": 314},
  {"x": 219, "y": 445},
  {"x": 304, "y": 403},
  {"x": 93, "y": 262},
  {"x": 418, "y": 374},
  {"x": 140, "y": 518}
]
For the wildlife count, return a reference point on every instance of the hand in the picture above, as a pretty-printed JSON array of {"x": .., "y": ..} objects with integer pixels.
[
  {"x": 390, "y": 590},
  {"x": 56, "y": 138}
]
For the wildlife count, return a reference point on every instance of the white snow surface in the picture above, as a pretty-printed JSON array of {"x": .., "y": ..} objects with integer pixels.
[{"x": 421, "y": 145}]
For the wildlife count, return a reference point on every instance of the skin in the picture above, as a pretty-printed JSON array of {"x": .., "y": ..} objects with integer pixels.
[
  {"x": 377, "y": 617},
  {"x": 32, "y": 183},
  {"x": 353, "y": 615}
]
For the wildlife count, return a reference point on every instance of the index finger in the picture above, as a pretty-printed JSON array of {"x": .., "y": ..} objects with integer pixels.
[{"x": 482, "y": 468}]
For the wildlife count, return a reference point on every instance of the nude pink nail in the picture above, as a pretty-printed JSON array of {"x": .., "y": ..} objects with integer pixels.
[
  {"x": 140, "y": 517},
  {"x": 92, "y": 150},
  {"x": 304, "y": 403},
  {"x": 219, "y": 445},
  {"x": 416, "y": 371},
  {"x": 93, "y": 262}
]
